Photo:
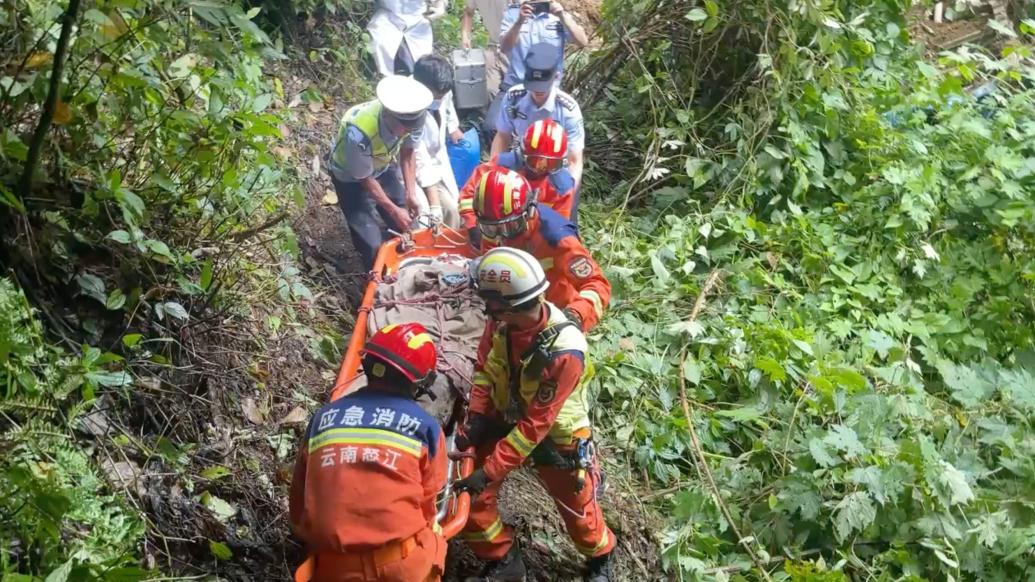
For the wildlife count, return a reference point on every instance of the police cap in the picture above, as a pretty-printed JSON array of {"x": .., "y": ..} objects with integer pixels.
[
  {"x": 541, "y": 64},
  {"x": 404, "y": 98}
]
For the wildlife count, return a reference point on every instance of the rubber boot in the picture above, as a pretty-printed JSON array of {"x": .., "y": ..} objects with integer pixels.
[
  {"x": 601, "y": 568},
  {"x": 509, "y": 569}
]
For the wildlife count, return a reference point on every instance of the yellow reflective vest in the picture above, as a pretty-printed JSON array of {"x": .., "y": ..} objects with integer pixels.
[
  {"x": 366, "y": 117},
  {"x": 496, "y": 372}
]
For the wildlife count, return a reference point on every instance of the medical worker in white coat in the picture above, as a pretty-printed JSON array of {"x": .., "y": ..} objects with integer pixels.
[
  {"x": 433, "y": 168},
  {"x": 401, "y": 33}
]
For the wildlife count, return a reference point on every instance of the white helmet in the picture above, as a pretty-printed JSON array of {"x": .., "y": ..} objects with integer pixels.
[{"x": 510, "y": 276}]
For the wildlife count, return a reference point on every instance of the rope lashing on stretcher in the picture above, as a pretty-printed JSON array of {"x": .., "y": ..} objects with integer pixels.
[{"x": 437, "y": 300}]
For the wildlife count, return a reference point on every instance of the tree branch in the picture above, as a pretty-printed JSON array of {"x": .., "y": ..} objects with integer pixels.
[
  {"x": 68, "y": 21},
  {"x": 702, "y": 462}
]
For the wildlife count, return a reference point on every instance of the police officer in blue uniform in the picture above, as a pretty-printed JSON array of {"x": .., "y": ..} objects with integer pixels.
[{"x": 540, "y": 97}]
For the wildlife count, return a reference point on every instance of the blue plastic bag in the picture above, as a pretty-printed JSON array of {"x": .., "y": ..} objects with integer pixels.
[{"x": 464, "y": 156}]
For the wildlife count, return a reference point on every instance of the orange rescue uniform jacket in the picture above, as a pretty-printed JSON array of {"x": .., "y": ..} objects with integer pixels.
[
  {"x": 576, "y": 280},
  {"x": 367, "y": 474},
  {"x": 556, "y": 190},
  {"x": 561, "y": 375}
]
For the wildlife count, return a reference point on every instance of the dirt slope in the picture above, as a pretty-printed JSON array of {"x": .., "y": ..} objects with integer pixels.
[
  {"x": 252, "y": 386},
  {"x": 330, "y": 258}
]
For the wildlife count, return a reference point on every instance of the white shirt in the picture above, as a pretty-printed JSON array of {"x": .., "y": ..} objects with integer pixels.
[
  {"x": 432, "y": 157},
  {"x": 396, "y": 21}
]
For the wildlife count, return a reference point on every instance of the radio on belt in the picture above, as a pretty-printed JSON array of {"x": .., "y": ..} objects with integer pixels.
[{"x": 469, "y": 86}]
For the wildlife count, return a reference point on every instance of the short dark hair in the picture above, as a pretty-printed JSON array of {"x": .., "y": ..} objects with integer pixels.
[{"x": 435, "y": 73}]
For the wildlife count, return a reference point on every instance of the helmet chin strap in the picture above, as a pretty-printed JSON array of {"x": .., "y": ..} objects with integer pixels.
[{"x": 423, "y": 386}]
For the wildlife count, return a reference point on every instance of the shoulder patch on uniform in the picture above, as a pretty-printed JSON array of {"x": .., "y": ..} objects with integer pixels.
[
  {"x": 359, "y": 139},
  {"x": 547, "y": 392},
  {"x": 580, "y": 267},
  {"x": 567, "y": 101}
]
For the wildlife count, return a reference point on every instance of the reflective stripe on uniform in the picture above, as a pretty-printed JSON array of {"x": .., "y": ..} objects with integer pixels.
[
  {"x": 466, "y": 204},
  {"x": 486, "y": 535},
  {"x": 482, "y": 379},
  {"x": 520, "y": 442},
  {"x": 366, "y": 436},
  {"x": 591, "y": 551},
  {"x": 593, "y": 296},
  {"x": 546, "y": 263}
]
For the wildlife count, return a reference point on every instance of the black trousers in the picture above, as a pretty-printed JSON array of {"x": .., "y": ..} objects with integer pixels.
[
  {"x": 360, "y": 212},
  {"x": 404, "y": 60}
]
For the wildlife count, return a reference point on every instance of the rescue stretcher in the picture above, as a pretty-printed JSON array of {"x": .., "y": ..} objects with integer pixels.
[{"x": 453, "y": 507}]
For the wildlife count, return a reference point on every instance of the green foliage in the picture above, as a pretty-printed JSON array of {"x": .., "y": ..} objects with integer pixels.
[
  {"x": 161, "y": 160},
  {"x": 57, "y": 520},
  {"x": 157, "y": 213},
  {"x": 862, "y": 378}
]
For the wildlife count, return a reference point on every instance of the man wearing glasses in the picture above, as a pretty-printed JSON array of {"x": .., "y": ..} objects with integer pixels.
[
  {"x": 508, "y": 215},
  {"x": 373, "y": 165}
]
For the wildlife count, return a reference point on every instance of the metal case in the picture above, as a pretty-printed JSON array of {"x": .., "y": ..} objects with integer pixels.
[{"x": 469, "y": 86}]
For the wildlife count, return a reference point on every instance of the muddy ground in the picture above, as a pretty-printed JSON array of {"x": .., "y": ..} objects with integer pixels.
[{"x": 205, "y": 450}]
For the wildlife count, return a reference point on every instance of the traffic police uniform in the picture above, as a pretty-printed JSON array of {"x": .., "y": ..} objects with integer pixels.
[
  {"x": 366, "y": 147},
  {"x": 540, "y": 28}
]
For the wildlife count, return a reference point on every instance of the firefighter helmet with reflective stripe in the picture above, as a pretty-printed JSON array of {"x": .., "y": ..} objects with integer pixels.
[
  {"x": 510, "y": 276},
  {"x": 545, "y": 146},
  {"x": 407, "y": 347},
  {"x": 501, "y": 202}
]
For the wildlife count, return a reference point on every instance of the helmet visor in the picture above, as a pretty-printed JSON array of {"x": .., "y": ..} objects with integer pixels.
[
  {"x": 543, "y": 164},
  {"x": 508, "y": 228}
]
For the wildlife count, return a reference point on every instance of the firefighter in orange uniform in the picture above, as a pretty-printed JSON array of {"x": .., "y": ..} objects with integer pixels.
[
  {"x": 509, "y": 216},
  {"x": 541, "y": 160},
  {"x": 370, "y": 468},
  {"x": 530, "y": 402}
]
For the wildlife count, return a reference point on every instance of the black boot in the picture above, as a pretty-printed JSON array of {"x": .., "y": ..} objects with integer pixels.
[
  {"x": 601, "y": 568},
  {"x": 509, "y": 569}
]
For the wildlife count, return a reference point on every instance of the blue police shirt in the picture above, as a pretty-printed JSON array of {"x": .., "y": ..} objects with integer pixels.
[
  {"x": 540, "y": 28},
  {"x": 518, "y": 111}
]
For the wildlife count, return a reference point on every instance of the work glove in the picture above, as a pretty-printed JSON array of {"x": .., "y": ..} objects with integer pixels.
[
  {"x": 472, "y": 434},
  {"x": 474, "y": 484},
  {"x": 436, "y": 215},
  {"x": 438, "y": 10},
  {"x": 573, "y": 316}
]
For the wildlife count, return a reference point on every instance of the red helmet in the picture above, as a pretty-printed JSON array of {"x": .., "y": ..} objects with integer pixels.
[
  {"x": 501, "y": 203},
  {"x": 545, "y": 146},
  {"x": 407, "y": 347}
]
